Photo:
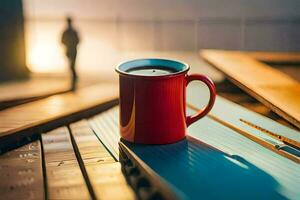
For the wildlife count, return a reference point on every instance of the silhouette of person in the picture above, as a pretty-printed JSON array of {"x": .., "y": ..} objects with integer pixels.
[{"x": 71, "y": 39}]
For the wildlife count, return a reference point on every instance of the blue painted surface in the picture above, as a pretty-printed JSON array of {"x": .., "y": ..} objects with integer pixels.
[
  {"x": 283, "y": 173},
  {"x": 195, "y": 170}
]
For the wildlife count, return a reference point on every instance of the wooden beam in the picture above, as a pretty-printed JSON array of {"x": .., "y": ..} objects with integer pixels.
[
  {"x": 20, "y": 123},
  {"x": 273, "y": 88}
]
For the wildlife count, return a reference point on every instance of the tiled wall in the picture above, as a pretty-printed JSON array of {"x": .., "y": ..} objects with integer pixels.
[{"x": 182, "y": 24}]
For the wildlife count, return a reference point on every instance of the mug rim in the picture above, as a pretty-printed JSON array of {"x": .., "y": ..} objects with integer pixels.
[{"x": 122, "y": 72}]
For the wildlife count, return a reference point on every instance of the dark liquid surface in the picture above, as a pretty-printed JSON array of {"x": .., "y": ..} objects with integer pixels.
[{"x": 151, "y": 71}]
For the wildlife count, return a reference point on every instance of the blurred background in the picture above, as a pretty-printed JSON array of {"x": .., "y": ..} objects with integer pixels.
[
  {"x": 109, "y": 27},
  {"x": 112, "y": 31}
]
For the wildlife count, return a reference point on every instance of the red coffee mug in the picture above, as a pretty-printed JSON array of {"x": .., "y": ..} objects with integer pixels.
[{"x": 153, "y": 106}]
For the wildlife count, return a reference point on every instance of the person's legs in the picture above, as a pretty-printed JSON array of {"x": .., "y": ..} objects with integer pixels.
[
  {"x": 72, "y": 60},
  {"x": 74, "y": 78},
  {"x": 73, "y": 71}
]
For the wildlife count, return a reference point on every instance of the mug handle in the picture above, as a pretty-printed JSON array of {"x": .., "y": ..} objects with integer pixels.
[{"x": 212, "y": 90}]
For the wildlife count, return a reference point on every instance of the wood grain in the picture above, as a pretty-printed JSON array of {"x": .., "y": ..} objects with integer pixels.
[
  {"x": 25, "y": 120},
  {"x": 33, "y": 87},
  {"x": 103, "y": 171},
  {"x": 64, "y": 177},
  {"x": 273, "y": 88},
  {"x": 106, "y": 127},
  {"x": 21, "y": 173}
]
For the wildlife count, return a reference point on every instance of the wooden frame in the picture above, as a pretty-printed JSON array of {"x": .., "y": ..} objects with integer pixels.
[{"x": 273, "y": 88}]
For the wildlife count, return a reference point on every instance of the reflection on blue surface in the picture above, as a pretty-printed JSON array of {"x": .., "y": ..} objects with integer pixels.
[{"x": 196, "y": 170}]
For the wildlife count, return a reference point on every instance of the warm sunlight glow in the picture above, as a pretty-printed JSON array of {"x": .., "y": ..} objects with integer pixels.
[
  {"x": 44, "y": 51},
  {"x": 46, "y": 54},
  {"x": 45, "y": 57}
]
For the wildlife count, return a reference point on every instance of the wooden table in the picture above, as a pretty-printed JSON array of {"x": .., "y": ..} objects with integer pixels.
[{"x": 79, "y": 160}]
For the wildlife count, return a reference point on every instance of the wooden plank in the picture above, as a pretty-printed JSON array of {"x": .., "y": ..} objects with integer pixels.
[
  {"x": 21, "y": 173},
  {"x": 275, "y": 57},
  {"x": 104, "y": 172},
  {"x": 34, "y": 87},
  {"x": 106, "y": 127},
  {"x": 64, "y": 177},
  {"x": 260, "y": 140},
  {"x": 273, "y": 88},
  {"x": 26, "y": 120}
]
